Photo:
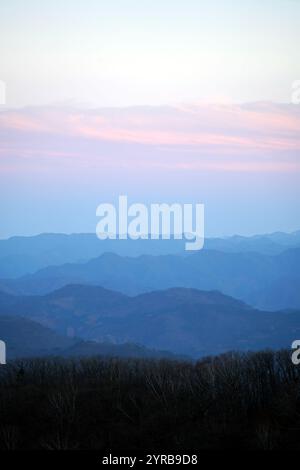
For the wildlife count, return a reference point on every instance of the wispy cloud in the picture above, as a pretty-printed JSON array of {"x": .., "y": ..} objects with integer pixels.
[{"x": 252, "y": 137}]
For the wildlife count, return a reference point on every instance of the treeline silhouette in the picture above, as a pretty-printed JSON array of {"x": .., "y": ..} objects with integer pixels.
[{"x": 244, "y": 401}]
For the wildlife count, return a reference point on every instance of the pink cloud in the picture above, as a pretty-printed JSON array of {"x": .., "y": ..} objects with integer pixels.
[{"x": 255, "y": 137}]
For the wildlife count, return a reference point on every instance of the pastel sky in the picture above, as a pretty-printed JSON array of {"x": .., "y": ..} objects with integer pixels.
[
  {"x": 137, "y": 52},
  {"x": 165, "y": 101}
]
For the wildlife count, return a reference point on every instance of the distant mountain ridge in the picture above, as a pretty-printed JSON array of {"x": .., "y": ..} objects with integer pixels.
[
  {"x": 24, "y": 255},
  {"x": 183, "y": 321},
  {"x": 252, "y": 277}
]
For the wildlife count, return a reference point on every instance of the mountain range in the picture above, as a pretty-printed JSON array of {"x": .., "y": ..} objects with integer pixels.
[
  {"x": 268, "y": 282},
  {"x": 24, "y": 255},
  {"x": 68, "y": 295},
  {"x": 183, "y": 321}
]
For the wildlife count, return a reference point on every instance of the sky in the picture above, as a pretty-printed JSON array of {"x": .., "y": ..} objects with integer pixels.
[
  {"x": 137, "y": 52},
  {"x": 165, "y": 101}
]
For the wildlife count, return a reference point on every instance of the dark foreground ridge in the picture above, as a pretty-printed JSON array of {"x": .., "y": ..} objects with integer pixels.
[{"x": 233, "y": 401}]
